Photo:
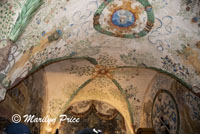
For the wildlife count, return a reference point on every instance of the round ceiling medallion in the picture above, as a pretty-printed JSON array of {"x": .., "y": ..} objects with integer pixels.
[{"x": 123, "y": 18}]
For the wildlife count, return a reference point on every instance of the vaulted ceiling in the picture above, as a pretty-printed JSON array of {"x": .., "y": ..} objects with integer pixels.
[{"x": 161, "y": 35}]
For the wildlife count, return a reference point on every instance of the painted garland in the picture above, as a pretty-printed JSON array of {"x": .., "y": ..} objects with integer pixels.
[{"x": 24, "y": 18}]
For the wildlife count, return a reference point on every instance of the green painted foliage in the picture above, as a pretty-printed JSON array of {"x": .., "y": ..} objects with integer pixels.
[
  {"x": 24, "y": 18},
  {"x": 6, "y": 20}
]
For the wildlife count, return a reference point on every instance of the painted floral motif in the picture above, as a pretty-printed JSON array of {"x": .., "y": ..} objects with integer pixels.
[
  {"x": 55, "y": 107},
  {"x": 79, "y": 24},
  {"x": 4, "y": 55},
  {"x": 160, "y": 83},
  {"x": 194, "y": 103},
  {"x": 7, "y": 13},
  {"x": 101, "y": 71},
  {"x": 165, "y": 113},
  {"x": 81, "y": 70},
  {"x": 176, "y": 68},
  {"x": 78, "y": 20},
  {"x": 131, "y": 93},
  {"x": 106, "y": 60},
  {"x": 189, "y": 7},
  {"x": 83, "y": 47},
  {"x": 137, "y": 59}
]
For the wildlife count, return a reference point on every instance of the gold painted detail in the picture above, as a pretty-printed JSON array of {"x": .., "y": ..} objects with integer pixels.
[{"x": 103, "y": 71}]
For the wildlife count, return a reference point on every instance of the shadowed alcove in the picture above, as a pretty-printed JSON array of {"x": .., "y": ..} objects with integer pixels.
[{"x": 94, "y": 114}]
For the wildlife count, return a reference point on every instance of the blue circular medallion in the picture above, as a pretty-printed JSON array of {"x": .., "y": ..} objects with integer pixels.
[{"x": 123, "y": 18}]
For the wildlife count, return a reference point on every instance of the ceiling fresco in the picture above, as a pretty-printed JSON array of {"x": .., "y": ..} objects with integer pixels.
[
  {"x": 9, "y": 11},
  {"x": 126, "y": 19},
  {"x": 161, "y": 35},
  {"x": 134, "y": 92},
  {"x": 72, "y": 81}
]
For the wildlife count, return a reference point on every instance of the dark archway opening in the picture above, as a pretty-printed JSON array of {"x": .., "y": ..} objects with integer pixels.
[{"x": 93, "y": 117}]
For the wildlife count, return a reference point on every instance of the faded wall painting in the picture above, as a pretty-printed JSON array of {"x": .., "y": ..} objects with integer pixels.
[{"x": 142, "y": 57}]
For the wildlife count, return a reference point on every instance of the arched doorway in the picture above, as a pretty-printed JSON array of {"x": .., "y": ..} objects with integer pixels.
[{"x": 95, "y": 115}]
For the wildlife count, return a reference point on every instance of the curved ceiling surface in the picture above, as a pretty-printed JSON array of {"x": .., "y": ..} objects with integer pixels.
[{"x": 164, "y": 35}]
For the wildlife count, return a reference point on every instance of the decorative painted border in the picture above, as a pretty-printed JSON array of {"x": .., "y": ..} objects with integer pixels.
[
  {"x": 127, "y": 101},
  {"x": 189, "y": 87},
  {"x": 176, "y": 105},
  {"x": 28, "y": 11},
  {"x": 84, "y": 85},
  {"x": 6, "y": 84},
  {"x": 148, "y": 27}
]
